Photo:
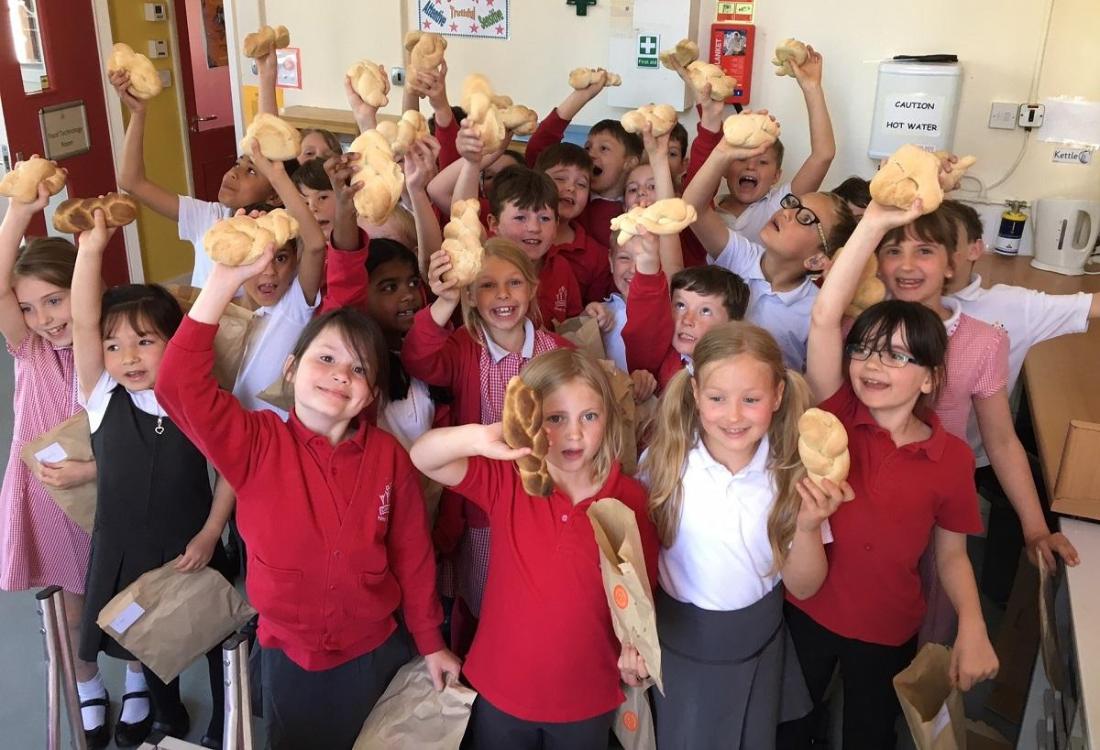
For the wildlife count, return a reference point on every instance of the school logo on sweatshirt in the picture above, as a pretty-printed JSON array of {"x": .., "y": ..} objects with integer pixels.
[
  {"x": 384, "y": 504},
  {"x": 560, "y": 300}
]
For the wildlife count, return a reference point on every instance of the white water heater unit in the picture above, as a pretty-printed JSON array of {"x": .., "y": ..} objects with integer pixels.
[{"x": 915, "y": 102}]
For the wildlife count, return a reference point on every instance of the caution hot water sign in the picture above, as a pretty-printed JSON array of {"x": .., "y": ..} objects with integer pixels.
[{"x": 917, "y": 115}]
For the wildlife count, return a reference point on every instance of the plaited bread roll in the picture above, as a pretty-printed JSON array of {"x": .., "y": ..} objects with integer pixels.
[
  {"x": 791, "y": 50},
  {"x": 522, "y": 427},
  {"x": 22, "y": 182},
  {"x": 486, "y": 121},
  {"x": 281, "y": 224},
  {"x": 144, "y": 81},
  {"x": 278, "y": 139},
  {"x": 76, "y": 214},
  {"x": 462, "y": 241},
  {"x": 683, "y": 54},
  {"x": 265, "y": 40},
  {"x": 701, "y": 73},
  {"x": 954, "y": 175},
  {"x": 236, "y": 241},
  {"x": 668, "y": 216},
  {"x": 582, "y": 78},
  {"x": 662, "y": 116},
  {"x": 750, "y": 130},
  {"x": 425, "y": 51},
  {"x": 870, "y": 291},
  {"x": 369, "y": 81},
  {"x": 404, "y": 132},
  {"x": 476, "y": 83},
  {"x": 381, "y": 177},
  {"x": 519, "y": 119},
  {"x": 911, "y": 173},
  {"x": 823, "y": 446}
]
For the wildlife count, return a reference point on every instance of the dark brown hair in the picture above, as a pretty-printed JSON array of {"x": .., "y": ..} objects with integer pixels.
[
  {"x": 934, "y": 228},
  {"x": 966, "y": 217},
  {"x": 312, "y": 175},
  {"x": 363, "y": 337},
  {"x": 564, "y": 155},
  {"x": 50, "y": 259},
  {"x": 718, "y": 281},
  {"x": 778, "y": 149},
  {"x": 679, "y": 135},
  {"x": 845, "y": 223},
  {"x": 632, "y": 142},
  {"x": 854, "y": 190},
  {"x": 921, "y": 329},
  {"x": 143, "y": 307},
  {"x": 527, "y": 189}
]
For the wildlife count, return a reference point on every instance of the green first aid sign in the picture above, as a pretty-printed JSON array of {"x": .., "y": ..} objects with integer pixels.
[{"x": 648, "y": 47}]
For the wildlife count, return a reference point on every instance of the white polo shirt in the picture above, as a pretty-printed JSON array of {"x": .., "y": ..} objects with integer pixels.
[
  {"x": 100, "y": 398},
  {"x": 195, "y": 217},
  {"x": 785, "y": 315},
  {"x": 721, "y": 559},
  {"x": 272, "y": 336},
  {"x": 613, "y": 344},
  {"x": 1029, "y": 317},
  {"x": 756, "y": 215}
]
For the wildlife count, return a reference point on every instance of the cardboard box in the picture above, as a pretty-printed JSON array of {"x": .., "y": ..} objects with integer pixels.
[{"x": 1077, "y": 491}]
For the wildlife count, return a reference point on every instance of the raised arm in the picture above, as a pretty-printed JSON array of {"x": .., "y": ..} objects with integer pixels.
[
  {"x": 709, "y": 227},
  {"x": 16, "y": 220},
  {"x": 471, "y": 149},
  {"x": 822, "y": 143},
  {"x": 87, "y": 301},
  {"x": 268, "y": 70},
  {"x": 672, "y": 256},
  {"x": 131, "y": 171},
  {"x": 419, "y": 169},
  {"x": 366, "y": 116},
  {"x": 443, "y": 455},
  {"x": 551, "y": 129}
]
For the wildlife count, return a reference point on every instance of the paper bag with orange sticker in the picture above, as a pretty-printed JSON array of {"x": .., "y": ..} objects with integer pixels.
[
  {"x": 633, "y": 725},
  {"x": 229, "y": 343},
  {"x": 625, "y": 582},
  {"x": 583, "y": 332}
]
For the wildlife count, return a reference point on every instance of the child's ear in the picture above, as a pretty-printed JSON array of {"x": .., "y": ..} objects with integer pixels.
[
  {"x": 630, "y": 163},
  {"x": 493, "y": 224},
  {"x": 778, "y": 177},
  {"x": 817, "y": 263},
  {"x": 289, "y": 368},
  {"x": 975, "y": 250}
]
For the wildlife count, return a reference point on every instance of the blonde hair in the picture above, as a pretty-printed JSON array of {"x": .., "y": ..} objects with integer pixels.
[
  {"x": 679, "y": 429},
  {"x": 505, "y": 249},
  {"x": 553, "y": 369}
]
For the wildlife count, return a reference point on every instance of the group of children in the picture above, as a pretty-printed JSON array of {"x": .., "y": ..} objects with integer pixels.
[{"x": 765, "y": 581}]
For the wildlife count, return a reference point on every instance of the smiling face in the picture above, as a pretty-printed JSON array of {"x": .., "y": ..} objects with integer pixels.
[
  {"x": 395, "y": 297},
  {"x": 749, "y": 180},
  {"x": 501, "y": 295},
  {"x": 573, "y": 185},
  {"x": 609, "y": 163},
  {"x": 641, "y": 187},
  {"x": 268, "y": 287},
  {"x": 883, "y": 388},
  {"x": 574, "y": 418},
  {"x": 622, "y": 267},
  {"x": 243, "y": 186},
  {"x": 532, "y": 229},
  {"x": 784, "y": 237},
  {"x": 132, "y": 357},
  {"x": 737, "y": 398},
  {"x": 331, "y": 381},
  {"x": 45, "y": 308},
  {"x": 313, "y": 147},
  {"x": 322, "y": 204},
  {"x": 915, "y": 270},
  {"x": 694, "y": 314}
]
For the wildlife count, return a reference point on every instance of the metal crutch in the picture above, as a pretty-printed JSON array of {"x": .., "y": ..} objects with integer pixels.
[
  {"x": 60, "y": 671},
  {"x": 237, "y": 734}
]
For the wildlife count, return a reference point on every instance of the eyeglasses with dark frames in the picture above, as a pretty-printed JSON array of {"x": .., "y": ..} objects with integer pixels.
[
  {"x": 888, "y": 357},
  {"x": 805, "y": 216}
]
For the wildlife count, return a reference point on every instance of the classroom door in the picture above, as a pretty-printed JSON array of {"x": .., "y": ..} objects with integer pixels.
[
  {"x": 204, "y": 63},
  {"x": 49, "y": 65}
]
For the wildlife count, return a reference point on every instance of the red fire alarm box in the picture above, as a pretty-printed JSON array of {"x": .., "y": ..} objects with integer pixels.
[{"x": 731, "y": 46}]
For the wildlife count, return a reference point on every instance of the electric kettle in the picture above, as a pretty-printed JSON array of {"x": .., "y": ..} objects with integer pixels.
[{"x": 1065, "y": 235}]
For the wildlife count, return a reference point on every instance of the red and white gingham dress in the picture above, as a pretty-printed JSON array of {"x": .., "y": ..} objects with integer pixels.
[{"x": 39, "y": 545}]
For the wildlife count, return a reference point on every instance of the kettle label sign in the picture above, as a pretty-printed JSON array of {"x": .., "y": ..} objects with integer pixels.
[
  {"x": 1072, "y": 156},
  {"x": 914, "y": 114}
]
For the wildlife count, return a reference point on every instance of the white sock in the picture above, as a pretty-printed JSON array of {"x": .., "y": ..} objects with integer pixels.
[
  {"x": 135, "y": 709},
  {"x": 92, "y": 716}
]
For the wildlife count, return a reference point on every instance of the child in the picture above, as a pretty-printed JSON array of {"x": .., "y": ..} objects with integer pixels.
[
  {"x": 544, "y": 658},
  {"x": 476, "y": 362},
  {"x": 736, "y": 515},
  {"x": 755, "y": 192},
  {"x": 318, "y": 144},
  {"x": 1029, "y": 317},
  {"x": 651, "y": 181},
  {"x": 856, "y": 192},
  {"x": 154, "y": 502},
  {"x": 241, "y": 186},
  {"x": 913, "y": 487},
  {"x": 41, "y": 546},
  {"x": 803, "y": 233},
  {"x": 333, "y": 515}
]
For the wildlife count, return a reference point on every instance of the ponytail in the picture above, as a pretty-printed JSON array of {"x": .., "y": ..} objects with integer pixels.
[
  {"x": 663, "y": 466},
  {"x": 785, "y": 465}
]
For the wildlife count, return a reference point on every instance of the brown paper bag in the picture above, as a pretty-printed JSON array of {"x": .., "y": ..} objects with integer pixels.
[
  {"x": 279, "y": 394},
  {"x": 231, "y": 339},
  {"x": 625, "y": 582},
  {"x": 167, "y": 619},
  {"x": 932, "y": 707},
  {"x": 584, "y": 332},
  {"x": 635, "y": 419},
  {"x": 981, "y": 736},
  {"x": 1048, "y": 629},
  {"x": 412, "y": 713},
  {"x": 74, "y": 439},
  {"x": 634, "y": 720}
]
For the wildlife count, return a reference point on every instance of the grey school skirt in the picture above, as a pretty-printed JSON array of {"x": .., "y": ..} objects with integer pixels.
[{"x": 730, "y": 678}]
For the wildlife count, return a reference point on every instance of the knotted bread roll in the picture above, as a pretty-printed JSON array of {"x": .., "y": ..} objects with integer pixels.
[
  {"x": 236, "y": 241},
  {"x": 425, "y": 51},
  {"x": 486, "y": 121},
  {"x": 791, "y": 50},
  {"x": 265, "y": 40},
  {"x": 662, "y": 116},
  {"x": 683, "y": 54},
  {"x": 77, "y": 214},
  {"x": 582, "y": 78},
  {"x": 911, "y": 173},
  {"x": 22, "y": 182},
  {"x": 519, "y": 119},
  {"x": 870, "y": 290},
  {"x": 750, "y": 130},
  {"x": 522, "y": 428},
  {"x": 144, "y": 81},
  {"x": 955, "y": 173},
  {"x": 278, "y": 139},
  {"x": 721, "y": 85},
  {"x": 462, "y": 241},
  {"x": 668, "y": 216},
  {"x": 281, "y": 224},
  {"x": 369, "y": 81},
  {"x": 402, "y": 133},
  {"x": 823, "y": 446},
  {"x": 381, "y": 177}
]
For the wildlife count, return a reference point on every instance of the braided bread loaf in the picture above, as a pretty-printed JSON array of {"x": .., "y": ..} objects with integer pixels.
[
  {"x": 369, "y": 81},
  {"x": 462, "y": 241},
  {"x": 823, "y": 446},
  {"x": 76, "y": 214},
  {"x": 278, "y": 139},
  {"x": 425, "y": 51},
  {"x": 144, "y": 80},
  {"x": 236, "y": 241},
  {"x": 522, "y": 427},
  {"x": 582, "y": 78},
  {"x": 22, "y": 182},
  {"x": 265, "y": 40},
  {"x": 791, "y": 50},
  {"x": 721, "y": 85},
  {"x": 403, "y": 132},
  {"x": 750, "y": 130},
  {"x": 683, "y": 54},
  {"x": 381, "y": 177},
  {"x": 662, "y": 116},
  {"x": 668, "y": 216}
]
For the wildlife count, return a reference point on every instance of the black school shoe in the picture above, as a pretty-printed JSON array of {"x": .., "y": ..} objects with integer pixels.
[
  {"x": 100, "y": 737},
  {"x": 132, "y": 735},
  {"x": 173, "y": 724}
]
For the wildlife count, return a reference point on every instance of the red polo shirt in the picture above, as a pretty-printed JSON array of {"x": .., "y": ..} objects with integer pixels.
[
  {"x": 337, "y": 535},
  {"x": 647, "y": 335},
  {"x": 545, "y": 649},
  {"x": 590, "y": 263},
  {"x": 872, "y": 592}
]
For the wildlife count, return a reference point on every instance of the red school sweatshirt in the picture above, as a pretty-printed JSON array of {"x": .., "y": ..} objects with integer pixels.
[{"x": 649, "y": 328}]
